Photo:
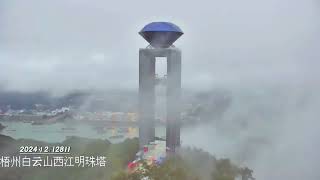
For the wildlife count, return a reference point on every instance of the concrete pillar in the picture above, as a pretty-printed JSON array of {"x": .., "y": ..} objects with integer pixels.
[
  {"x": 147, "y": 95},
  {"x": 173, "y": 99}
]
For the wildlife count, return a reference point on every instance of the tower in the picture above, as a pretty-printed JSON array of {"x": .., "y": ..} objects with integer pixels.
[{"x": 161, "y": 36}]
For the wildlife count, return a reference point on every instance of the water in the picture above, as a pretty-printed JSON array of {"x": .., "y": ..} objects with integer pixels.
[
  {"x": 198, "y": 136},
  {"x": 56, "y": 133},
  {"x": 192, "y": 136},
  {"x": 202, "y": 136}
]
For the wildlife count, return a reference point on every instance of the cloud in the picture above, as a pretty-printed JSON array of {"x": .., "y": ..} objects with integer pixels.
[
  {"x": 250, "y": 46},
  {"x": 228, "y": 42}
]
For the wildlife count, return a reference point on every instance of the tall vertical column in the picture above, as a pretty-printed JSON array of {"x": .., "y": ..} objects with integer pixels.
[
  {"x": 146, "y": 97},
  {"x": 173, "y": 99}
]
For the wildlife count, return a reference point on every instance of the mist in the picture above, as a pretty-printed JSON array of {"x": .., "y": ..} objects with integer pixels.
[
  {"x": 265, "y": 52},
  {"x": 273, "y": 131}
]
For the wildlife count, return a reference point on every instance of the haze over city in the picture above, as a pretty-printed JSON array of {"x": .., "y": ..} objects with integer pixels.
[{"x": 265, "y": 53}]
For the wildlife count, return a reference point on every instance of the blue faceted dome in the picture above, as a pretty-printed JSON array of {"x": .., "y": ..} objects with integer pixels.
[{"x": 161, "y": 34}]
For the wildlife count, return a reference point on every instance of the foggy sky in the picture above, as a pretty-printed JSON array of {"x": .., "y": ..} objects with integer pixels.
[
  {"x": 64, "y": 45},
  {"x": 61, "y": 45}
]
